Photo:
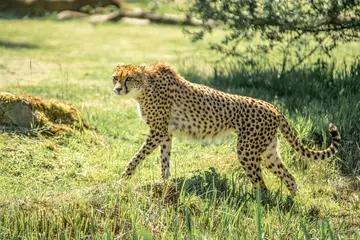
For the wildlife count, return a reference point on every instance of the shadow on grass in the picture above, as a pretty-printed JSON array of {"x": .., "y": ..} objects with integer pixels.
[
  {"x": 212, "y": 186},
  {"x": 319, "y": 81},
  {"x": 13, "y": 45}
]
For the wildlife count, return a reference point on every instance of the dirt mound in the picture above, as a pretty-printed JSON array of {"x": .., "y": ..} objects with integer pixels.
[{"x": 48, "y": 116}]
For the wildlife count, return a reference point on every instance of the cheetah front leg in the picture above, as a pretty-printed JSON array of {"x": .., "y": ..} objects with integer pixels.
[
  {"x": 165, "y": 157},
  {"x": 153, "y": 141}
]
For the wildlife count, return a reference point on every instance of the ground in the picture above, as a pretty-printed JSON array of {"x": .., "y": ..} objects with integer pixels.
[{"x": 67, "y": 186}]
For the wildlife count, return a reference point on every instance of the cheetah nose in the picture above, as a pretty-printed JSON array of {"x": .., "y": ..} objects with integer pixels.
[{"x": 117, "y": 90}]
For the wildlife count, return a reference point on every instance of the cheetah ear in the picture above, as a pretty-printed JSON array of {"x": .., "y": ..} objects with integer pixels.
[
  {"x": 142, "y": 67},
  {"x": 120, "y": 64}
]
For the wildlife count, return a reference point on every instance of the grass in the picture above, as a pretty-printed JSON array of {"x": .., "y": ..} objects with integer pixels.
[
  {"x": 161, "y": 7},
  {"x": 69, "y": 188}
]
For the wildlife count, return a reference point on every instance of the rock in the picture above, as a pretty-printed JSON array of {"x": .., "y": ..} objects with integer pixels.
[
  {"x": 137, "y": 10},
  {"x": 20, "y": 114},
  {"x": 49, "y": 116},
  {"x": 67, "y": 14},
  {"x": 135, "y": 21},
  {"x": 98, "y": 18},
  {"x": 151, "y": 17}
]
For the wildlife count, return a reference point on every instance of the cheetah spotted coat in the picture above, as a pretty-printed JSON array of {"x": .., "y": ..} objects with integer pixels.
[{"x": 171, "y": 105}]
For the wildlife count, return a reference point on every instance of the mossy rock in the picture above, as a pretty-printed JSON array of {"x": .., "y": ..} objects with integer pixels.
[{"x": 31, "y": 112}]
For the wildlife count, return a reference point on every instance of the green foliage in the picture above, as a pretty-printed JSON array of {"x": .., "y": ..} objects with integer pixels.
[
  {"x": 295, "y": 29},
  {"x": 68, "y": 187}
]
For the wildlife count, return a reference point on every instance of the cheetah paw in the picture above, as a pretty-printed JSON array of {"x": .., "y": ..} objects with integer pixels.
[{"x": 125, "y": 175}]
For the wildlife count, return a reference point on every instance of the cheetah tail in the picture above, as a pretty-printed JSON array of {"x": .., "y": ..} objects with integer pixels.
[{"x": 306, "y": 152}]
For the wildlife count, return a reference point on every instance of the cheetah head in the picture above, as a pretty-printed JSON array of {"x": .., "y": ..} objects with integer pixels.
[{"x": 129, "y": 79}]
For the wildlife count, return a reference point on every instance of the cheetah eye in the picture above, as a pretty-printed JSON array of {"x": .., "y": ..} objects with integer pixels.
[{"x": 115, "y": 79}]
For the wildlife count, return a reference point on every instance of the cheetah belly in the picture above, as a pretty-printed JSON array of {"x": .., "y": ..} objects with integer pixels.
[{"x": 188, "y": 125}]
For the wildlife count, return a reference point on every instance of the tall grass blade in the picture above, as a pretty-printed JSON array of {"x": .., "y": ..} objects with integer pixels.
[
  {"x": 331, "y": 233},
  {"x": 258, "y": 214},
  {"x": 305, "y": 230},
  {"x": 188, "y": 223}
]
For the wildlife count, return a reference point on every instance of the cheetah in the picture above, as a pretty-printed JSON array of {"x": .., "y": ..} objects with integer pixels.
[{"x": 171, "y": 105}]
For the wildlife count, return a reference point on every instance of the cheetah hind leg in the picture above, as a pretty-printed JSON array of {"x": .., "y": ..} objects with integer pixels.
[
  {"x": 251, "y": 165},
  {"x": 273, "y": 162}
]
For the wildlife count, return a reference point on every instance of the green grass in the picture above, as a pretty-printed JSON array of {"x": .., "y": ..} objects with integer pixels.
[{"x": 67, "y": 187}]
